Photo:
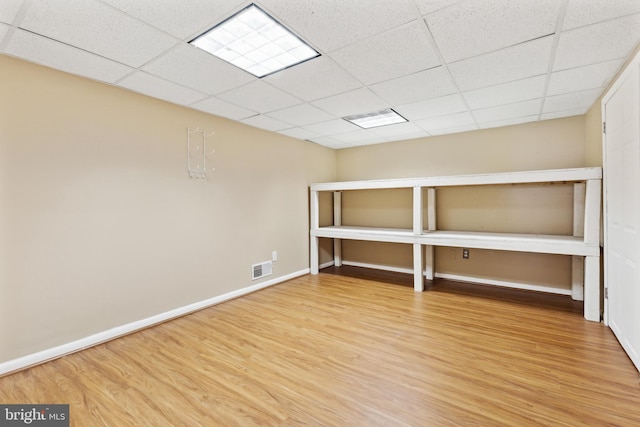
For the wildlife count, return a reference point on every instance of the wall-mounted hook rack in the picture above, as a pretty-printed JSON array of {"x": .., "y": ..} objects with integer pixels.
[{"x": 197, "y": 153}]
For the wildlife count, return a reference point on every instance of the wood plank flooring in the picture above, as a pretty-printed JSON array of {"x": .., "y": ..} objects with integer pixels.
[{"x": 351, "y": 347}]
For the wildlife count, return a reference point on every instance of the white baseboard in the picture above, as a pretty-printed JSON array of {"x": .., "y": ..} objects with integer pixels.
[
  {"x": 95, "y": 339},
  {"x": 379, "y": 267},
  {"x": 515, "y": 285},
  {"x": 470, "y": 279},
  {"x": 326, "y": 264}
]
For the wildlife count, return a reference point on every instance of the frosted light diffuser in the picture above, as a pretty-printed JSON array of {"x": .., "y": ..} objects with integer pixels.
[
  {"x": 375, "y": 119},
  {"x": 255, "y": 42}
]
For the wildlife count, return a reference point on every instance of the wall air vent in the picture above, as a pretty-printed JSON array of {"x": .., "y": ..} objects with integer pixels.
[{"x": 261, "y": 270}]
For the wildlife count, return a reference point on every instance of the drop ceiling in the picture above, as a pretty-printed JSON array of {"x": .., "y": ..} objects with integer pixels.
[{"x": 447, "y": 66}]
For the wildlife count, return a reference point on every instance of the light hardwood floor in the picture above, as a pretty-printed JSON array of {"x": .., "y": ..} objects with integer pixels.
[{"x": 351, "y": 347}]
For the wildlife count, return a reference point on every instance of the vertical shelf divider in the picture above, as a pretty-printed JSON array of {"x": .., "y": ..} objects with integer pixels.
[
  {"x": 418, "y": 279},
  {"x": 315, "y": 224},
  {"x": 577, "y": 262},
  {"x": 337, "y": 221},
  {"x": 431, "y": 226}
]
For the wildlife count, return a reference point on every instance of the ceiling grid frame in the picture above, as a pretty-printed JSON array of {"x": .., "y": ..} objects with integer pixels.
[{"x": 574, "y": 74}]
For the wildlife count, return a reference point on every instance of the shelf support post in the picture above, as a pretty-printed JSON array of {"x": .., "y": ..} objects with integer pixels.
[
  {"x": 337, "y": 221},
  {"x": 418, "y": 280},
  {"x": 592, "y": 288},
  {"x": 577, "y": 262},
  {"x": 592, "y": 212},
  {"x": 417, "y": 210},
  {"x": 592, "y": 263},
  {"x": 431, "y": 226},
  {"x": 314, "y": 223}
]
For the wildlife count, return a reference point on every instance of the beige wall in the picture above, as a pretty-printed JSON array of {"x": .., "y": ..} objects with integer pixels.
[
  {"x": 593, "y": 134},
  {"x": 539, "y": 145},
  {"x": 101, "y": 226},
  {"x": 526, "y": 209}
]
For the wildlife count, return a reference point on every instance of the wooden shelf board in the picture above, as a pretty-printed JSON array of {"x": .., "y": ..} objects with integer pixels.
[
  {"x": 540, "y": 243},
  {"x": 552, "y": 244},
  {"x": 522, "y": 177}
]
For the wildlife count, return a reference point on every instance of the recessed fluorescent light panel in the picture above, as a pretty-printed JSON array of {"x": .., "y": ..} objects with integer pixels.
[
  {"x": 375, "y": 119},
  {"x": 255, "y": 42}
]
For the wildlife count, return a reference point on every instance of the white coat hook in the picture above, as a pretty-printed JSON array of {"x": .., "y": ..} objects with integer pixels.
[{"x": 197, "y": 152}]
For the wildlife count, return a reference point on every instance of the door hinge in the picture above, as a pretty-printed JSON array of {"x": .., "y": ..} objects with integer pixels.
[
  {"x": 604, "y": 127},
  {"x": 606, "y": 293}
]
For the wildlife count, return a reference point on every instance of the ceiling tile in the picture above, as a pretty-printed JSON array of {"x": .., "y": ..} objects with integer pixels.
[
  {"x": 267, "y": 123},
  {"x": 582, "y": 78},
  {"x": 96, "y": 27},
  {"x": 468, "y": 29},
  {"x": 426, "y": 84},
  {"x": 430, "y": 6},
  {"x": 159, "y": 88},
  {"x": 457, "y": 129},
  {"x": 509, "y": 111},
  {"x": 597, "y": 43},
  {"x": 509, "y": 122},
  {"x": 450, "y": 121},
  {"x": 195, "y": 68},
  {"x": 63, "y": 57},
  {"x": 328, "y": 141},
  {"x": 508, "y": 93},
  {"x": 9, "y": 10},
  {"x": 571, "y": 101},
  {"x": 395, "y": 53},
  {"x": 399, "y": 131},
  {"x": 566, "y": 113},
  {"x": 506, "y": 65},
  {"x": 359, "y": 101},
  {"x": 433, "y": 107},
  {"x": 299, "y": 133},
  {"x": 332, "y": 127},
  {"x": 318, "y": 78},
  {"x": 301, "y": 115},
  {"x": 359, "y": 137},
  {"x": 4, "y": 29},
  {"x": 374, "y": 55},
  {"x": 330, "y": 25},
  {"x": 585, "y": 12},
  {"x": 368, "y": 142},
  {"x": 222, "y": 108},
  {"x": 259, "y": 96},
  {"x": 181, "y": 19}
]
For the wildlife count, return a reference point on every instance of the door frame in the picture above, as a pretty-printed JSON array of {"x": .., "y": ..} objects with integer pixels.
[
  {"x": 617, "y": 83},
  {"x": 632, "y": 66}
]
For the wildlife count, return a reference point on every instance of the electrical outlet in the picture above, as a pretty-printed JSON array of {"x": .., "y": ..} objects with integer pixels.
[
  {"x": 274, "y": 256},
  {"x": 465, "y": 253}
]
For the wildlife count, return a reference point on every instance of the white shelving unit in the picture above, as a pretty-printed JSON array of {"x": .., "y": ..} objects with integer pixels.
[{"x": 583, "y": 245}]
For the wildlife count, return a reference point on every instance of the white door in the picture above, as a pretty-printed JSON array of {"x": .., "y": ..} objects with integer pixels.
[{"x": 621, "y": 111}]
